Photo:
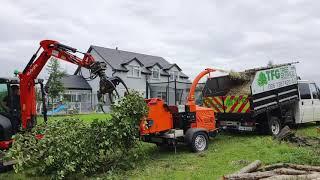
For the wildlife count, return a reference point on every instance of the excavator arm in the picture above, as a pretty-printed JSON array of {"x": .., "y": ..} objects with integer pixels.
[{"x": 59, "y": 51}]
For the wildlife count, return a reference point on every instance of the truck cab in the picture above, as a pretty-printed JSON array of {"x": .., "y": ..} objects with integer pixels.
[{"x": 308, "y": 108}]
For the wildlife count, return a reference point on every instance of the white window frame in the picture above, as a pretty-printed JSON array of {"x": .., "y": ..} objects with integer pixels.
[
  {"x": 157, "y": 70},
  {"x": 131, "y": 73},
  {"x": 162, "y": 95},
  {"x": 174, "y": 74}
]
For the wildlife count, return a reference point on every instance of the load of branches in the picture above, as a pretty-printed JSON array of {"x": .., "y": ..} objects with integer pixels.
[
  {"x": 241, "y": 76},
  {"x": 241, "y": 85},
  {"x": 280, "y": 171}
]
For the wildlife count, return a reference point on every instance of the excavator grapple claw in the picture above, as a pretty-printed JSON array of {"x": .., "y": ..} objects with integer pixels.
[{"x": 108, "y": 85}]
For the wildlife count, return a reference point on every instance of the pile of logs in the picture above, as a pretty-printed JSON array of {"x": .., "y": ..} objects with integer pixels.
[{"x": 281, "y": 171}]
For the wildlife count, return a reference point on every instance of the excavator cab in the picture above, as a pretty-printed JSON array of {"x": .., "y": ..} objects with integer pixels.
[{"x": 10, "y": 107}]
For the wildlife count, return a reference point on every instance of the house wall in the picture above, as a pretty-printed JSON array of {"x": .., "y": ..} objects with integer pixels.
[
  {"x": 78, "y": 95},
  {"x": 166, "y": 90},
  {"x": 137, "y": 83}
]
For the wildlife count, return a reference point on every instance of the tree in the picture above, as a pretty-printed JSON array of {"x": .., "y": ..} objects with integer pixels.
[
  {"x": 55, "y": 87},
  {"x": 270, "y": 63}
]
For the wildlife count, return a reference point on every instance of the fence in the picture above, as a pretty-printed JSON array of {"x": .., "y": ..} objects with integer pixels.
[
  {"x": 66, "y": 108},
  {"x": 173, "y": 92}
]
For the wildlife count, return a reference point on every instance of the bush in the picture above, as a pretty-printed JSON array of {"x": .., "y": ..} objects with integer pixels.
[{"x": 71, "y": 146}]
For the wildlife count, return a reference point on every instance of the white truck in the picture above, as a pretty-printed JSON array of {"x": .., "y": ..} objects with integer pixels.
[{"x": 263, "y": 99}]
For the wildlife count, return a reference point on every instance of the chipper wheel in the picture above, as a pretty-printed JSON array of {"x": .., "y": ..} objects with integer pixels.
[{"x": 199, "y": 141}]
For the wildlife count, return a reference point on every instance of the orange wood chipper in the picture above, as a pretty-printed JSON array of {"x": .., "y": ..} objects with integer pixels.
[{"x": 190, "y": 124}]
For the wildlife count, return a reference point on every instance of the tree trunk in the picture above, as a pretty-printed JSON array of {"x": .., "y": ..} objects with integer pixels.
[
  {"x": 294, "y": 177},
  {"x": 251, "y": 176},
  {"x": 285, "y": 133},
  {"x": 250, "y": 168},
  {"x": 273, "y": 166},
  {"x": 305, "y": 167},
  {"x": 289, "y": 171},
  {"x": 293, "y": 166}
]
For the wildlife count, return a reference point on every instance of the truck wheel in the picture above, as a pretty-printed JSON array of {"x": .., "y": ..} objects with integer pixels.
[
  {"x": 274, "y": 126},
  {"x": 199, "y": 142}
]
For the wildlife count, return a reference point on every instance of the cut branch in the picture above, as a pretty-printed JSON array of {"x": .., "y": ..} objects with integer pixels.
[
  {"x": 253, "y": 175},
  {"x": 294, "y": 177},
  {"x": 250, "y": 168},
  {"x": 289, "y": 171}
]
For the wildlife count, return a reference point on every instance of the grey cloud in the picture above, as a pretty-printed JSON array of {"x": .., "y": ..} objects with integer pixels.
[{"x": 194, "y": 34}]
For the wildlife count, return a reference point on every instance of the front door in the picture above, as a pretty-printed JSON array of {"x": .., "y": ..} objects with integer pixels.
[
  {"x": 316, "y": 102},
  {"x": 306, "y": 103}
]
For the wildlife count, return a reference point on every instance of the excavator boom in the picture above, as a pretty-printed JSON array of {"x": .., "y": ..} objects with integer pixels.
[{"x": 54, "y": 49}]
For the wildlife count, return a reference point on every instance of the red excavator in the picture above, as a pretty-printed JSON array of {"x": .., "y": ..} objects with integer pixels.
[
  {"x": 190, "y": 124},
  {"x": 18, "y": 113}
]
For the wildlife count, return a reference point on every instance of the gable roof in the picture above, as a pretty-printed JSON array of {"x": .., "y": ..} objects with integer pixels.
[
  {"x": 73, "y": 82},
  {"x": 134, "y": 59},
  {"x": 117, "y": 59},
  {"x": 171, "y": 65},
  {"x": 155, "y": 65}
]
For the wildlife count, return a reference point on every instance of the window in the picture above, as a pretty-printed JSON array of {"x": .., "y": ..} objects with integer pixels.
[
  {"x": 304, "y": 91},
  {"x": 134, "y": 71},
  {"x": 162, "y": 95},
  {"x": 314, "y": 91},
  {"x": 174, "y": 75},
  {"x": 155, "y": 73},
  {"x": 73, "y": 98},
  {"x": 3, "y": 96},
  {"x": 67, "y": 97}
]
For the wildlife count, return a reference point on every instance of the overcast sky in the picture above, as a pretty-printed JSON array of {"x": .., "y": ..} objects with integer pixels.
[{"x": 194, "y": 34}]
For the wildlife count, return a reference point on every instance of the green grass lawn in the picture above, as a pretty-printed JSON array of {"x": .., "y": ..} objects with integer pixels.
[
  {"x": 85, "y": 117},
  {"x": 226, "y": 154},
  {"x": 308, "y": 130}
]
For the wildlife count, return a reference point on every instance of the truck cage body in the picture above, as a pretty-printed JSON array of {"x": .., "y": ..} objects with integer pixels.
[{"x": 231, "y": 107}]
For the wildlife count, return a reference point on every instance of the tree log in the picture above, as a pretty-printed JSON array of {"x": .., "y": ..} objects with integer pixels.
[
  {"x": 304, "y": 167},
  {"x": 285, "y": 133},
  {"x": 289, "y": 171},
  {"x": 250, "y": 168},
  {"x": 273, "y": 166},
  {"x": 314, "y": 176},
  {"x": 293, "y": 166},
  {"x": 250, "y": 176}
]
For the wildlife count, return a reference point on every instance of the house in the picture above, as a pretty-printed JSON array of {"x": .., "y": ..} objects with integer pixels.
[
  {"x": 77, "y": 95},
  {"x": 152, "y": 76}
]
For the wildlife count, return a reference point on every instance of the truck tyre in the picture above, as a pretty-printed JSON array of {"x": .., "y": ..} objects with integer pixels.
[
  {"x": 199, "y": 141},
  {"x": 275, "y": 126}
]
